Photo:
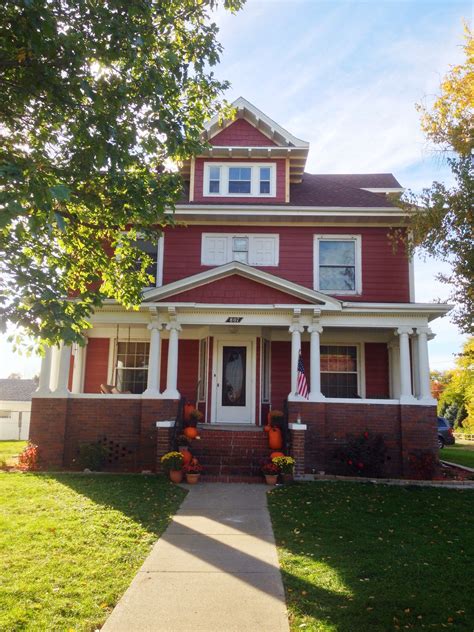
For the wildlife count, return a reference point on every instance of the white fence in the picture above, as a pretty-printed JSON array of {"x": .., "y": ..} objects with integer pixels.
[
  {"x": 464, "y": 436},
  {"x": 14, "y": 421}
]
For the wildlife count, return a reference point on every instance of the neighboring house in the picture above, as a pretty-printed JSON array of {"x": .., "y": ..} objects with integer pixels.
[
  {"x": 15, "y": 408},
  {"x": 266, "y": 260}
]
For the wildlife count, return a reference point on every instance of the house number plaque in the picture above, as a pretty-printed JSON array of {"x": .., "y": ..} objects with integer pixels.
[{"x": 234, "y": 319}]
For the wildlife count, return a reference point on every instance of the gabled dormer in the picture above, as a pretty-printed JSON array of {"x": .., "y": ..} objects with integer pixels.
[{"x": 251, "y": 159}]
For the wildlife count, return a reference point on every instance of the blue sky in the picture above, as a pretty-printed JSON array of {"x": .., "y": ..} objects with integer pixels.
[{"x": 345, "y": 76}]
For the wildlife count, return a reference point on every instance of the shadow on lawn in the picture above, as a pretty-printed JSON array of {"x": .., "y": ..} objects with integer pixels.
[{"x": 148, "y": 500}]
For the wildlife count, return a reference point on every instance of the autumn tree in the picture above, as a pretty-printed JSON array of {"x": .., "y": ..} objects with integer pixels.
[
  {"x": 97, "y": 99},
  {"x": 441, "y": 219},
  {"x": 457, "y": 400}
]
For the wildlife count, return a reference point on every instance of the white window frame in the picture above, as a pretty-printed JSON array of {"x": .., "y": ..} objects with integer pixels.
[
  {"x": 357, "y": 240},
  {"x": 252, "y": 237},
  {"x": 360, "y": 357},
  {"x": 224, "y": 179}
]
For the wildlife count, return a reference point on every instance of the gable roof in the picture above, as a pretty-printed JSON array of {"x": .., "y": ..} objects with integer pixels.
[
  {"x": 234, "y": 267},
  {"x": 17, "y": 390}
]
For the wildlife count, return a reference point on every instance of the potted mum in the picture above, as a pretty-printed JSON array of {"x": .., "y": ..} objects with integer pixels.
[
  {"x": 270, "y": 471},
  {"x": 193, "y": 471},
  {"x": 286, "y": 464},
  {"x": 172, "y": 463}
]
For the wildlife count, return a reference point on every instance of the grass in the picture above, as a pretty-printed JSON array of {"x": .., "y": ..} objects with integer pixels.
[
  {"x": 358, "y": 557},
  {"x": 70, "y": 544},
  {"x": 462, "y": 454},
  {"x": 9, "y": 450}
]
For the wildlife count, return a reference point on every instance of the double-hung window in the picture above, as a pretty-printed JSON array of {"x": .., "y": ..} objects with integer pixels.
[
  {"x": 337, "y": 264},
  {"x": 239, "y": 179},
  {"x": 339, "y": 371},
  {"x": 252, "y": 249},
  {"x": 131, "y": 368}
]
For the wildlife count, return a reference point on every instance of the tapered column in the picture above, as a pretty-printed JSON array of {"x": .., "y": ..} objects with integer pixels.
[
  {"x": 63, "y": 370},
  {"x": 406, "y": 396},
  {"x": 315, "y": 393},
  {"x": 171, "y": 391},
  {"x": 296, "y": 330},
  {"x": 154, "y": 361},
  {"x": 424, "y": 365},
  {"x": 53, "y": 376},
  {"x": 78, "y": 370},
  {"x": 45, "y": 373}
]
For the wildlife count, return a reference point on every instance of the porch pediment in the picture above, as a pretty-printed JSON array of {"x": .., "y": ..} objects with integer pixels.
[{"x": 237, "y": 283}]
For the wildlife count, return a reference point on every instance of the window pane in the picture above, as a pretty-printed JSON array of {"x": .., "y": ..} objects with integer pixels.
[
  {"x": 336, "y": 253},
  {"x": 214, "y": 173},
  {"x": 339, "y": 384},
  {"x": 235, "y": 186},
  {"x": 336, "y": 278},
  {"x": 264, "y": 187},
  {"x": 214, "y": 186},
  {"x": 151, "y": 249},
  {"x": 264, "y": 173},
  {"x": 243, "y": 257},
  {"x": 240, "y": 173},
  {"x": 240, "y": 244}
]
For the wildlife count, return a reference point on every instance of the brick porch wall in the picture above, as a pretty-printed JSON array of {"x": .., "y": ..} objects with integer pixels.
[
  {"x": 405, "y": 429},
  {"x": 127, "y": 426}
]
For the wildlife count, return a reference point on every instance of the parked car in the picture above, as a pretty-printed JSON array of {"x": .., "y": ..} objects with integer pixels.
[{"x": 445, "y": 433}]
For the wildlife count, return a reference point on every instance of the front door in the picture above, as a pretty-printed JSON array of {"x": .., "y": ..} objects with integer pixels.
[{"x": 233, "y": 382}]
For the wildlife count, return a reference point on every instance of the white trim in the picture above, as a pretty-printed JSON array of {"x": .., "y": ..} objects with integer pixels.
[
  {"x": 110, "y": 360},
  {"x": 383, "y": 189},
  {"x": 270, "y": 209},
  {"x": 165, "y": 424},
  {"x": 254, "y": 179},
  {"x": 248, "y": 272},
  {"x": 160, "y": 260},
  {"x": 297, "y": 426},
  {"x": 357, "y": 240},
  {"x": 411, "y": 279}
]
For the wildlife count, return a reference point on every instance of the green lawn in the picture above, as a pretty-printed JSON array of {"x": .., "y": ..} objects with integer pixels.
[
  {"x": 360, "y": 557},
  {"x": 461, "y": 453},
  {"x": 9, "y": 450},
  {"x": 70, "y": 544}
]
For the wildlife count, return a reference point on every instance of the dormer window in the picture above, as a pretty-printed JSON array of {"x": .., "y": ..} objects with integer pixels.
[{"x": 239, "y": 180}]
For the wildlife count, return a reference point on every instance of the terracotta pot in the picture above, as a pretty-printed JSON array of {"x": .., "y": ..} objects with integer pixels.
[
  {"x": 176, "y": 476},
  {"x": 271, "y": 479},
  {"x": 192, "y": 479},
  {"x": 187, "y": 456},
  {"x": 287, "y": 478}
]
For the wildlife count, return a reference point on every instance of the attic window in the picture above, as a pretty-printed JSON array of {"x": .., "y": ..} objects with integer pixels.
[{"x": 239, "y": 180}]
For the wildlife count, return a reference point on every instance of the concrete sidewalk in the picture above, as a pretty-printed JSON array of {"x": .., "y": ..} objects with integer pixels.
[{"x": 215, "y": 569}]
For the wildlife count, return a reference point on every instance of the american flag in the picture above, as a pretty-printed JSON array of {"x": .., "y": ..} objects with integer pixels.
[{"x": 301, "y": 382}]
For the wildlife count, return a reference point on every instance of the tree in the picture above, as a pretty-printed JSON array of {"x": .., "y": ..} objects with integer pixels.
[
  {"x": 441, "y": 219},
  {"x": 97, "y": 98},
  {"x": 457, "y": 400},
  {"x": 15, "y": 376}
]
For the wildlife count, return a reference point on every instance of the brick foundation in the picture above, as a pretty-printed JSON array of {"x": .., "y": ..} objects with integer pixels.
[
  {"x": 125, "y": 426},
  {"x": 405, "y": 429}
]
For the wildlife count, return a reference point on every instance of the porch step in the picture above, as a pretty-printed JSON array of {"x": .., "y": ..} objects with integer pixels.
[{"x": 227, "y": 453}]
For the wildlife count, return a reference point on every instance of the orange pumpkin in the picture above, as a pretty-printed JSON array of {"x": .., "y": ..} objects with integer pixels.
[
  {"x": 275, "y": 439},
  {"x": 267, "y": 428},
  {"x": 188, "y": 409},
  {"x": 190, "y": 432},
  {"x": 274, "y": 455},
  {"x": 187, "y": 456}
]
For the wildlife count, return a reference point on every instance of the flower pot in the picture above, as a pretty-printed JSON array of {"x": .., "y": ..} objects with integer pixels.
[
  {"x": 271, "y": 479},
  {"x": 287, "y": 477},
  {"x": 176, "y": 476},
  {"x": 192, "y": 479}
]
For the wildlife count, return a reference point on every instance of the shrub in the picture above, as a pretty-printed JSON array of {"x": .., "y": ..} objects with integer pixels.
[
  {"x": 92, "y": 456},
  {"x": 172, "y": 461},
  {"x": 363, "y": 455},
  {"x": 28, "y": 459},
  {"x": 422, "y": 465}
]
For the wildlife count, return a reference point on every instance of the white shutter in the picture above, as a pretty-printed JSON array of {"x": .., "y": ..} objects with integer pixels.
[
  {"x": 263, "y": 251},
  {"x": 214, "y": 250}
]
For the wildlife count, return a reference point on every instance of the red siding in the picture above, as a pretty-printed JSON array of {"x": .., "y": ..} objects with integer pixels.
[
  {"x": 188, "y": 365},
  {"x": 241, "y": 134},
  {"x": 234, "y": 289},
  {"x": 385, "y": 276},
  {"x": 280, "y": 373},
  {"x": 376, "y": 370},
  {"x": 97, "y": 364},
  {"x": 280, "y": 184}
]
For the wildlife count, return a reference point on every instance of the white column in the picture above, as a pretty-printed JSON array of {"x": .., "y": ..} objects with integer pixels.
[
  {"x": 424, "y": 366},
  {"x": 394, "y": 365},
  {"x": 406, "y": 396},
  {"x": 415, "y": 368},
  {"x": 78, "y": 369},
  {"x": 45, "y": 373},
  {"x": 296, "y": 329},
  {"x": 315, "y": 394},
  {"x": 53, "y": 376},
  {"x": 63, "y": 370},
  {"x": 154, "y": 361},
  {"x": 171, "y": 391}
]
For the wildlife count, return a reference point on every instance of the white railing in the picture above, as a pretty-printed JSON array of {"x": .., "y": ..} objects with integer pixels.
[{"x": 464, "y": 435}]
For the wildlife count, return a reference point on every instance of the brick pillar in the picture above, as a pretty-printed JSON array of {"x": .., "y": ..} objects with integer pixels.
[
  {"x": 153, "y": 410},
  {"x": 298, "y": 432},
  {"x": 418, "y": 435},
  {"x": 164, "y": 437},
  {"x": 48, "y": 429}
]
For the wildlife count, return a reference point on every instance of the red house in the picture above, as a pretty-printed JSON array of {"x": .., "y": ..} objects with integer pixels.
[{"x": 267, "y": 261}]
